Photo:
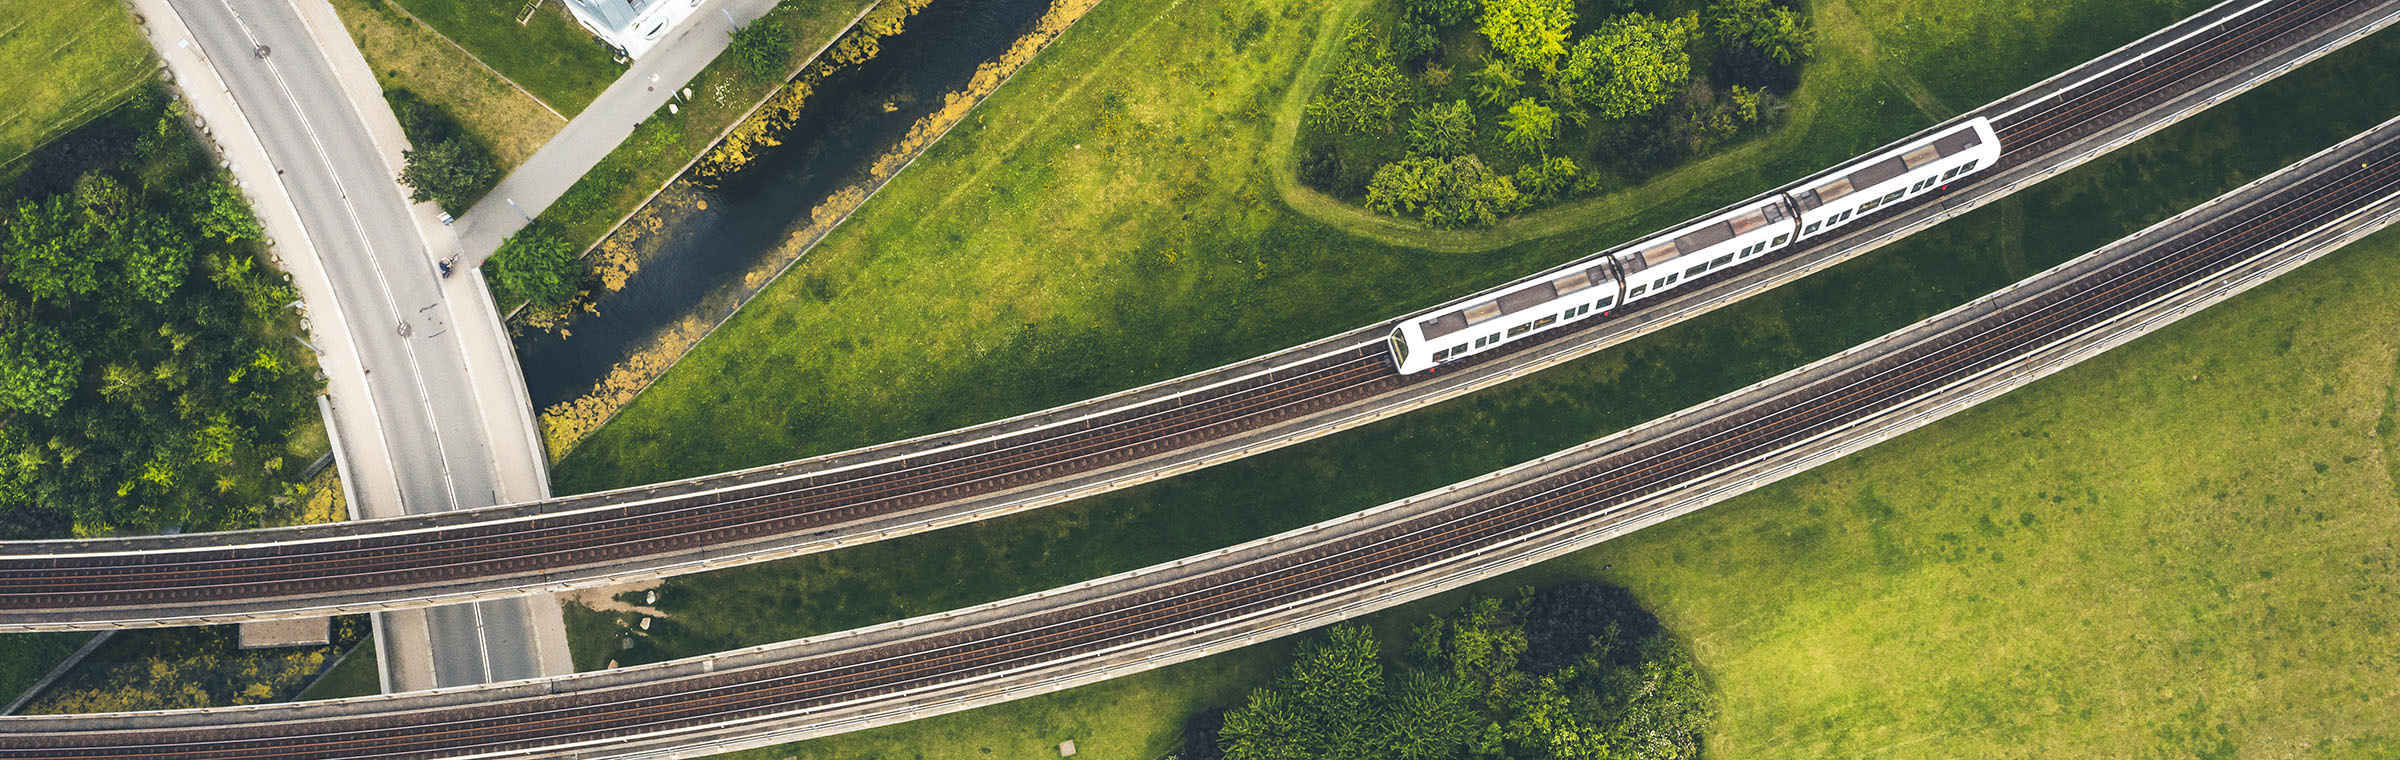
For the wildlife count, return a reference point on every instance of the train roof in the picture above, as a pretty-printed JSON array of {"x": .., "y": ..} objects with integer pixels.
[{"x": 1873, "y": 173}]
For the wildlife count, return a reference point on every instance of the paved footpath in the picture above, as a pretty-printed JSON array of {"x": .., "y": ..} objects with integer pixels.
[
  {"x": 639, "y": 92},
  {"x": 427, "y": 401}
]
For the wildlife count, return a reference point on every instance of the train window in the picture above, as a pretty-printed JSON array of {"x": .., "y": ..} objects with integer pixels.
[
  {"x": 1953, "y": 172},
  {"x": 1637, "y": 290},
  {"x": 1723, "y": 260},
  {"x": 1605, "y": 302},
  {"x": 1843, "y": 218},
  {"x": 1519, "y": 330},
  {"x": 1968, "y": 168},
  {"x": 1921, "y": 185},
  {"x": 1783, "y": 238},
  {"x": 1695, "y": 271},
  {"x": 1892, "y": 197},
  {"x": 1546, "y": 321},
  {"x": 1869, "y": 205},
  {"x": 1667, "y": 280},
  {"x": 1442, "y": 354},
  {"x": 1812, "y": 228}
]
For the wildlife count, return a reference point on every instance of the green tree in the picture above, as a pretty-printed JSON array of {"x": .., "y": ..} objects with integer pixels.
[
  {"x": 1628, "y": 66},
  {"x": 764, "y": 47},
  {"x": 536, "y": 264},
  {"x": 154, "y": 254},
  {"x": 451, "y": 173},
  {"x": 1459, "y": 192},
  {"x": 1529, "y": 34},
  {"x": 1529, "y": 127},
  {"x": 1765, "y": 25},
  {"x": 1324, "y": 708},
  {"x": 1432, "y": 715},
  {"x": 221, "y": 213},
  {"x": 1442, "y": 130},
  {"x": 1496, "y": 83},
  {"x": 50, "y": 252},
  {"x": 1367, "y": 91},
  {"x": 38, "y": 369},
  {"x": 1547, "y": 178},
  {"x": 1440, "y": 14}
]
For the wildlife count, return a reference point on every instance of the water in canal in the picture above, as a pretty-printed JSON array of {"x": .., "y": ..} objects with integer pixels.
[{"x": 693, "y": 269}]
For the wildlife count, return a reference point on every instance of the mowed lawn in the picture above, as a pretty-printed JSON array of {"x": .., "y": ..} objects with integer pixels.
[
  {"x": 65, "y": 62},
  {"x": 549, "y": 55},
  {"x": 1112, "y": 217}
]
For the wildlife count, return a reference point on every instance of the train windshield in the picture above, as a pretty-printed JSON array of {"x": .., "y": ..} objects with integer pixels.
[{"x": 1399, "y": 350}]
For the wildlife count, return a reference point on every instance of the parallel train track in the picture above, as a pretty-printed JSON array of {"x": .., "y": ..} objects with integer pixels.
[
  {"x": 1599, "y": 483},
  {"x": 1335, "y": 374}
]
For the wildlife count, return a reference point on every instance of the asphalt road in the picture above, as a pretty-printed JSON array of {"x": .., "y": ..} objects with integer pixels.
[{"x": 359, "y": 221}]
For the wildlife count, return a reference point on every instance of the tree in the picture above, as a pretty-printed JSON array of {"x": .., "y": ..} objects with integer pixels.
[
  {"x": 451, "y": 173},
  {"x": 764, "y": 48},
  {"x": 1323, "y": 708},
  {"x": 38, "y": 369},
  {"x": 49, "y": 251},
  {"x": 1442, "y": 131},
  {"x": 1431, "y": 717},
  {"x": 1440, "y": 14},
  {"x": 154, "y": 254},
  {"x": 1496, "y": 83},
  {"x": 537, "y": 264},
  {"x": 1547, "y": 178},
  {"x": 1529, "y": 34},
  {"x": 1529, "y": 127},
  {"x": 1765, "y": 26},
  {"x": 1367, "y": 91},
  {"x": 1628, "y": 66},
  {"x": 1459, "y": 192},
  {"x": 222, "y": 214}
]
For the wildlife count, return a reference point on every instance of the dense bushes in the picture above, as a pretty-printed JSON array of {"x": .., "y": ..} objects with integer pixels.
[
  {"x": 536, "y": 264},
  {"x": 203, "y": 666},
  {"x": 148, "y": 379},
  {"x": 1534, "y": 94},
  {"x": 445, "y": 165},
  {"x": 1577, "y": 671}
]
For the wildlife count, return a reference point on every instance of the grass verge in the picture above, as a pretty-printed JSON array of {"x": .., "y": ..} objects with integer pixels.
[
  {"x": 168, "y": 668},
  {"x": 550, "y": 55},
  {"x": 408, "y": 55},
  {"x": 354, "y": 676},
  {"x": 26, "y": 657},
  {"x": 68, "y": 61}
]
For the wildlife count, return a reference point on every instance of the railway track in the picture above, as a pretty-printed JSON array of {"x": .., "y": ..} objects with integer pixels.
[
  {"x": 843, "y": 497},
  {"x": 2085, "y": 305}
]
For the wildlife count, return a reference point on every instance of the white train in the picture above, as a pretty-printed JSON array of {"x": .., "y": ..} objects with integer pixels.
[{"x": 1644, "y": 269}]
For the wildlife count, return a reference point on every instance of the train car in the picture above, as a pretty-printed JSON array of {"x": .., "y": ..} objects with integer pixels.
[
  {"x": 1832, "y": 199},
  {"x": 1645, "y": 269}
]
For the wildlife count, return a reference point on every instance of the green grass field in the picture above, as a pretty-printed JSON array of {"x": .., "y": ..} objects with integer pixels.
[
  {"x": 26, "y": 657},
  {"x": 1104, "y": 221},
  {"x": 67, "y": 62},
  {"x": 410, "y": 55},
  {"x": 2184, "y": 548},
  {"x": 2206, "y": 155},
  {"x": 354, "y": 676},
  {"x": 549, "y": 55}
]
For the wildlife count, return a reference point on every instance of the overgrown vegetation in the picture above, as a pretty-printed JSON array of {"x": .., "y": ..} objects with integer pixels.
[
  {"x": 1460, "y": 112},
  {"x": 149, "y": 379},
  {"x": 170, "y": 668},
  {"x": 67, "y": 62},
  {"x": 444, "y": 163},
  {"x": 536, "y": 265},
  {"x": 1574, "y": 672}
]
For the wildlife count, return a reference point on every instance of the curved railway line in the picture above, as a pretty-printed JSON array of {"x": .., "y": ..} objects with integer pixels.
[
  {"x": 1078, "y": 450},
  {"x": 1289, "y": 582}
]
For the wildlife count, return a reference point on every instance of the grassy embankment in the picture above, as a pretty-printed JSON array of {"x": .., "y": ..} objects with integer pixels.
[
  {"x": 550, "y": 56},
  {"x": 409, "y": 55},
  {"x": 1245, "y": 500},
  {"x": 354, "y": 676},
  {"x": 1771, "y": 332},
  {"x": 68, "y": 61},
  {"x": 2182, "y": 548},
  {"x": 1108, "y": 222}
]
